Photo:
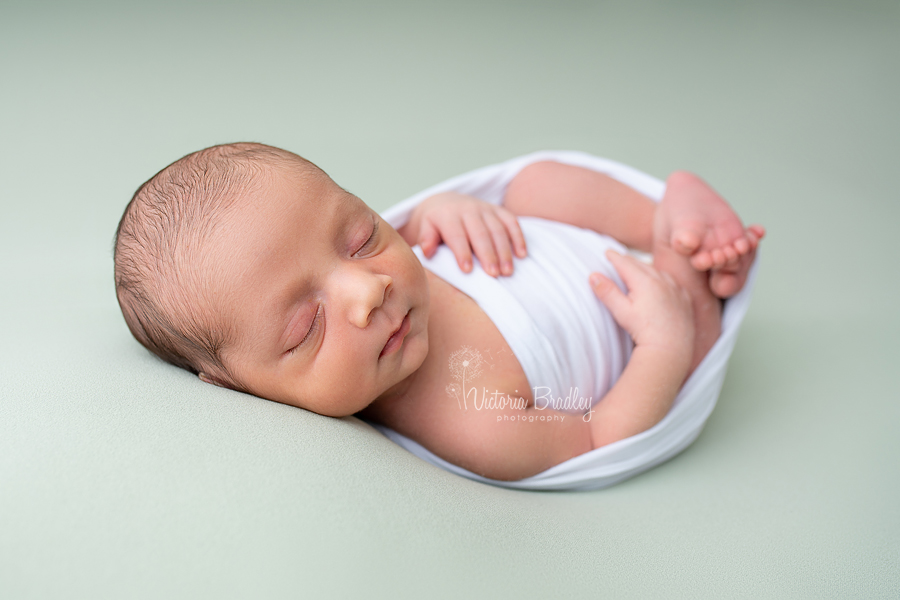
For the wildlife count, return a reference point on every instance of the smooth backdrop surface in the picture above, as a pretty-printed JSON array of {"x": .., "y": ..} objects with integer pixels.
[{"x": 123, "y": 477}]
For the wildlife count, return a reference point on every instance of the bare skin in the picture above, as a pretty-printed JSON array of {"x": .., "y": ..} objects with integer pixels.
[
  {"x": 306, "y": 309},
  {"x": 671, "y": 312},
  {"x": 690, "y": 226},
  {"x": 700, "y": 224}
]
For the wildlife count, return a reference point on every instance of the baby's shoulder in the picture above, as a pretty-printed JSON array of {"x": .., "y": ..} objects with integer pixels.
[
  {"x": 462, "y": 430},
  {"x": 490, "y": 430}
]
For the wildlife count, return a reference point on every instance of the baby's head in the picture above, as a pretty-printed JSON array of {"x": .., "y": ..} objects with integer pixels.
[{"x": 247, "y": 265}]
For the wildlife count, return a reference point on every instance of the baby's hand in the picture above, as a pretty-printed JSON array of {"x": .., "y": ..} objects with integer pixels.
[
  {"x": 465, "y": 222},
  {"x": 656, "y": 312}
]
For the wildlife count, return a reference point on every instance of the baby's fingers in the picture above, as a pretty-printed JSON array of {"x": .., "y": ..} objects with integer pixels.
[
  {"x": 610, "y": 294},
  {"x": 454, "y": 235},
  {"x": 514, "y": 229},
  {"x": 631, "y": 270},
  {"x": 502, "y": 243},
  {"x": 482, "y": 243},
  {"x": 429, "y": 238}
]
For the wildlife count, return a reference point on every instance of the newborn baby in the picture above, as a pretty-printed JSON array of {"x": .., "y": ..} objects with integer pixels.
[{"x": 249, "y": 266}]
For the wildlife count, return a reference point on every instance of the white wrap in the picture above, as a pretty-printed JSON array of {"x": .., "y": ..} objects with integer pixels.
[{"x": 623, "y": 459}]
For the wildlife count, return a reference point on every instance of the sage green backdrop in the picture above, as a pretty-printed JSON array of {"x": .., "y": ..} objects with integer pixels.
[{"x": 122, "y": 477}]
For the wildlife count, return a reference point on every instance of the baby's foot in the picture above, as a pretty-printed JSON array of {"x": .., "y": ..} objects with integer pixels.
[
  {"x": 695, "y": 221},
  {"x": 727, "y": 280}
]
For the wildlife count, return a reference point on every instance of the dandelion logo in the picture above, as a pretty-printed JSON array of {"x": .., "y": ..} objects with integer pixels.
[{"x": 465, "y": 364}]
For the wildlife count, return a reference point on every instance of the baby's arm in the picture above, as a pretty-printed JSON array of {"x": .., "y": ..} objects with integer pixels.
[
  {"x": 659, "y": 316},
  {"x": 692, "y": 220},
  {"x": 583, "y": 198},
  {"x": 465, "y": 223}
]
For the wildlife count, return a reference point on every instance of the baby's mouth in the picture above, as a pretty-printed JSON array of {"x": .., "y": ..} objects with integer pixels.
[{"x": 396, "y": 340}]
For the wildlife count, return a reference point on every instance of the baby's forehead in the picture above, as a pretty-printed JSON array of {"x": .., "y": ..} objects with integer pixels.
[
  {"x": 276, "y": 209},
  {"x": 312, "y": 186},
  {"x": 285, "y": 189}
]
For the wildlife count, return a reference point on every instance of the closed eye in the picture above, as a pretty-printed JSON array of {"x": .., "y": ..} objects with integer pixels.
[
  {"x": 371, "y": 239},
  {"x": 314, "y": 327},
  {"x": 309, "y": 334}
]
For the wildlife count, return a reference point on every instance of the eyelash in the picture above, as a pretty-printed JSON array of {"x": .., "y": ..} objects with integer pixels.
[
  {"x": 315, "y": 324},
  {"x": 370, "y": 240},
  {"x": 312, "y": 331}
]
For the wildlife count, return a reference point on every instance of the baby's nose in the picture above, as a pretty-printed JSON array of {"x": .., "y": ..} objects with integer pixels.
[{"x": 370, "y": 292}]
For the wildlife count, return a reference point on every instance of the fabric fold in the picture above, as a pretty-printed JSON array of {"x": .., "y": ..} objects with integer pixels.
[{"x": 562, "y": 335}]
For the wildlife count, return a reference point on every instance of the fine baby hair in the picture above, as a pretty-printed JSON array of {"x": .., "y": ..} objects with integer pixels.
[
  {"x": 161, "y": 291},
  {"x": 170, "y": 293}
]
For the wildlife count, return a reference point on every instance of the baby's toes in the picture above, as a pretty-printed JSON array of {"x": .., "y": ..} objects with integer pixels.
[
  {"x": 732, "y": 263},
  {"x": 754, "y": 234},
  {"x": 702, "y": 261},
  {"x": 725, "y": 284},
  {"x": 731, "y": 255},
  {"x": 685, "y": 241},
  {"x": 742, "y": 245},
  {"x": 752, "y": 239},
  {"x": 718, "y": 258}
]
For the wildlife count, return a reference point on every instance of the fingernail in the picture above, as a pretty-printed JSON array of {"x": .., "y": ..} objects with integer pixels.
[
  {"x": 507, "y": 268},
  {"x": 595, "y": 279},
  {"x": 492, "y": 270},
  {"x": 467, "y": 265}
]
